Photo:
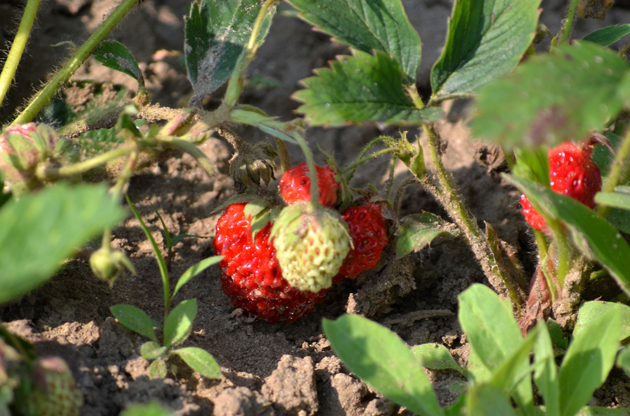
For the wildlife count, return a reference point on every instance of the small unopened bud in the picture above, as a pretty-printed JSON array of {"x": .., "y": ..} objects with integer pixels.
[{"x": 108, "y": 264}]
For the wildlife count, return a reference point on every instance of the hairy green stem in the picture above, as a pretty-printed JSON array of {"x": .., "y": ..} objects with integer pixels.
[
  {"x": 123, "y": 180},
  {"x": 543, "y": 250},
  {"x": 619, "y": 170},
  {"x": 81, "y": 54},
  {"x": 363, "y": 152},
  {"x": 563, "y": 258},
  {"x": 236, "y": 82},
  {"x": 568, "y": 22},
  {"x": 451, "y": 201},
  {"x": 65, "y": 171},
  {"x": 361, "y": 161},
  {"x": 17, "y": 48}
]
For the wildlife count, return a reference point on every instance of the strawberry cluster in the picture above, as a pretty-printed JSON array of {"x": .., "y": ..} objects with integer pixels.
[{"x": 344, "y": 246}]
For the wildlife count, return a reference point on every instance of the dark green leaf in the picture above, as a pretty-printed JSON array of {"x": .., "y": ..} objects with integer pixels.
[
  {"x": 381, "y": 359},
  {"x": 178, "y": 324},
  {"x": 552, "y": 98},
  {"x": 194, "y": 270},
  {"x": 216, "y": 33},
  {"x": 42, "y": 229},
  {"x": 157, "y": 369},
  {"x": 485, "y": 39},
  {"x": 588, "y": 361},
  {"x": 151, "y": 350},
  {"x": 557, "y": 336},
  {"x": 493, "y": 332},
  {"x": 589, "y": 311},
  {"x": 533, "y": 163},
  {"x": 602, "y": 156},
  {"x": 367, "y": 25},
  {"x": 116, "y": 56},
  {"x": 135, "y": 319},
  {"x": 359, "y": 89},
  {"x": 200, "y": 360},
  {"x": 606, "y": 36},
  {"x": 416, "y": 231},
  {"x": 594, "y": 235},
  {"x": 488, "y": 400},
  {"x": 436, "y": 357},
  {"x": 546, "y": 373},
  {"x": 146, "y": 409}
]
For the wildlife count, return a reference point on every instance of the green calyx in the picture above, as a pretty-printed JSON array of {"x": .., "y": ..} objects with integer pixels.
[{"x": 311, "y": 244}]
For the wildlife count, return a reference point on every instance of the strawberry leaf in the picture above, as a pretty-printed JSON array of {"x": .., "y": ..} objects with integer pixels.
[
  {"x": 606, "y": 36},
  {"x": 383, "y": 361},
  {"x": 116, "y": 56},
  {"x": 216, "y": 33},
  {"x": 359, "y": 89},
  {"x": 368, "y": 25},
  {"x": 42, "y": 229},
  {"x": 485, "y": 39},
  {"x": 416, "y": 231},
  {"x": 553, "y": 97}
]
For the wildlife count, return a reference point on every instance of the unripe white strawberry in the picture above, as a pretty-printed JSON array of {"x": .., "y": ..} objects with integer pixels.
[{"x": 311, "y": 243}]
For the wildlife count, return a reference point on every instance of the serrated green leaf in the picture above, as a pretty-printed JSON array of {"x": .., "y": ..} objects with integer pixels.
[
  {"x": 194, "y": 270},
  {"x": 116, "y": 56},
  {"x": 606, "y": 36},
  {"x": 488, "y": 400},
  {"x": 552, "y": 98},
  {"x": 485, "y": 39},
  {"x": 493, "y": 333},
  {"x": 216, "y": 32},
  {"x": 200, "y": 360},
  {"x": 589, "y": 311},
  {"x": 135, "y": 319},
  {"x": 381, "y": 359},
  {"x": 178, "y": 324},
  {"x": 151, "y": 350},
  {"x": 44, "y": 228},
  {"x": 360, "y": 88},
  {"x": 157, "y": 369},
  {"x": 368, "y": 25},
  {"x": 546, "y": 373},
  {"x": 588, "y": 361},
  {"x": 602, "y": 241},
  {"x": 146, "y": 409},
  {"x": 436, "y": 357},
  {"x": 416, "y": 231}
]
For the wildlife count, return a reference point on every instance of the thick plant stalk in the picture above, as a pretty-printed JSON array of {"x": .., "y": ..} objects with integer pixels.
[
  {"x": 451, "y": 201},
  {"x": 17, "y": 48},
  {"x": 568, "y": 22},
  {"x": 43, "y": 97}
]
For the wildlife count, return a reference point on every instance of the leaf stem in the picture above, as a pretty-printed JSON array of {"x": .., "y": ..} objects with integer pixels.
[
  {"x": 65, "y": 171},
  {"x": 17, "y": 48},
  {"x": 363, "y": 152},
  {"x": 568, "y": 22},
  {"x": 81, "y": 54},
  {"x": 451, "y": 201},
  {"x": 365, "y": 159},
  {"x": 563, "y": 259},
  {"x": 619, "y": 171}
]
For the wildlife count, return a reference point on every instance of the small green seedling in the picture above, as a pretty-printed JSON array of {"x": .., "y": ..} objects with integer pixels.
[
  {"x": 499, "y": 371},
  {"x": 177, "y": 322}
]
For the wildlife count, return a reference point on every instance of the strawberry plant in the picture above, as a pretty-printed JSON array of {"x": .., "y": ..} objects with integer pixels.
[{"x": 559, "y": 115}]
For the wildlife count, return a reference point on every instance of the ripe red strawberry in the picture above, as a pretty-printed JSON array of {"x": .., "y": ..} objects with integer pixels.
[
  {"x": 369, "y": 236},
  {"x": 251, "y": 274},
  {"x": 295, "y": 185},
  {"x": 572, "y": 173},
  {"x": 54, "y": 392}
]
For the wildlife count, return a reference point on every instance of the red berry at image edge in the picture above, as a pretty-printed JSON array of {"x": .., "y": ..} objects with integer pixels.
[
  {"x": 295, "y": 185},
  {"x": 572, "y": 173},
  {"x": 251, "y": 275},
  {"x": 369, "y": 237}
]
